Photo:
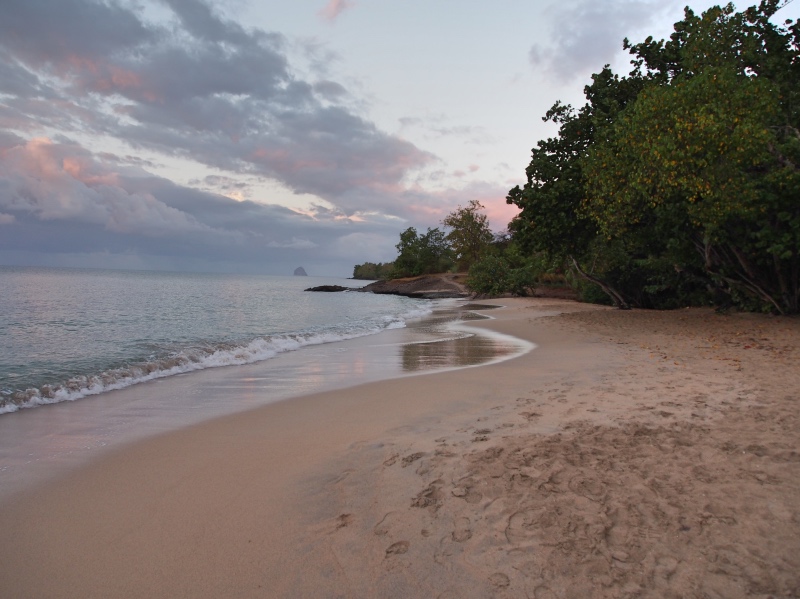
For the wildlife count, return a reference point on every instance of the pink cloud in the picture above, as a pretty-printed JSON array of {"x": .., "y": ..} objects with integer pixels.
[
  {"x": 427, "y": 209},
  {"x": 334, "y": 8},
  {"x": 101, "y": 76},
  {"x": 284, "y": 161},
  {"x": 500, "y": 213},
  {"x": 59, "y": 182}
]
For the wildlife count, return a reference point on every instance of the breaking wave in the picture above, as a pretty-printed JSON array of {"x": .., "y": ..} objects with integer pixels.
[{"x": 197, "y": 357}]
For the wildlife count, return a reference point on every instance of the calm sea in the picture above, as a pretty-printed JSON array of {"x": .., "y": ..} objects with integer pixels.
[
  {"x": 125, "y": 355},
  {"x": 67, "y": 333}
]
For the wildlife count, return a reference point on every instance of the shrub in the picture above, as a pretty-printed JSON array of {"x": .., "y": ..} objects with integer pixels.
[{"x": 493, "y": 275}]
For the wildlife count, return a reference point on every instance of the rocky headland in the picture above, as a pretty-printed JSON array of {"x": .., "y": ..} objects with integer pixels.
[
  {"x": 425, "y": 286},
  {"x": 447, "y": 285}
]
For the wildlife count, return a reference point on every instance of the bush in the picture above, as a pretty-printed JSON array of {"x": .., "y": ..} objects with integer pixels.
[
  {"x": 371, "y": 272},
  {"x": 521, "y": 280},
  {"x": 493, "y": 275}
]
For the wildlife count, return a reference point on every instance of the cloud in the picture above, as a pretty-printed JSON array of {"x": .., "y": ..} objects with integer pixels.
[
  {"x": 330, "y": 89},
  {"x": 56, "y": 182},
  {"x": 588, "y": 34},
  {"x": 435, "y": 126},
  {"x": 334, "y": 8},
  {"x": 51, "y": 35},
  {"x": 490, "y": 195},
  {"x": 200, "y": 88},
  {"x": 62, "y": 205},
  {"x": 62, "y": 201},
  {"x": 197, "y": 87},
  {"x": 294, "y": 243}
]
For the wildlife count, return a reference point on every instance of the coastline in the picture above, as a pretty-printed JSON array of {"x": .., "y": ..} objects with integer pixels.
[
  {"x": 630, "y": 454},
  {"x": 47, "y": 441}
]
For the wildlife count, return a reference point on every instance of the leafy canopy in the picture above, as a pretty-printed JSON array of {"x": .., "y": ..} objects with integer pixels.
[
  {"x": 680, "y": 182},
  {"x": 469, "y": 234},
  {"x": 422, "y": 254}
]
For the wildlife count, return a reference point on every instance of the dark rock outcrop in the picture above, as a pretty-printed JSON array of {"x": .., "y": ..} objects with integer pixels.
[
  {"x": 300, "y": 272},
  {"x": 330, "y": 288},
  {"x": 425, "y": 287}
]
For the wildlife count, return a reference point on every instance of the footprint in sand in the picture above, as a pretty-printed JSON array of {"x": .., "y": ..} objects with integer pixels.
[
  {"x": 398, "y": 548},
  {"x": 431, "y": 496},
  {"x": 386, "y": 524},
  {"x": 410, "y": 459},
  {"x": 466, "y": 491},
  {"x": 530, "y": 415},
  {"x": 499, "y": 580},
  {"x": 344, "y": 520},
  {"x": 531, "y": 525},
  {"x": 462, "y": 531},
  {"x": 588, "y": 487},
  {"x": 543, "y": 592}
]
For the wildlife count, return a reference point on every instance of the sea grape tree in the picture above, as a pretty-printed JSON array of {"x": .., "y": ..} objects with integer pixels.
[{"x": 683, "y": 176}]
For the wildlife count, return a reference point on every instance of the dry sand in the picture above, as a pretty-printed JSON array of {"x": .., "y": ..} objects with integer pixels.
[{"x": 632, "y": 454}]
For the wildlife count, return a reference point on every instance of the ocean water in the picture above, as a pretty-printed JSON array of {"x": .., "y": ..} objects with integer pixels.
[
  {"x": 111, "y": 357},
  {"x": 66, "y": 333}
]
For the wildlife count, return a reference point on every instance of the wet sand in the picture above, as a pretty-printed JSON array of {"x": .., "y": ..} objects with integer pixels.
[{"x": 632, "y": 454}]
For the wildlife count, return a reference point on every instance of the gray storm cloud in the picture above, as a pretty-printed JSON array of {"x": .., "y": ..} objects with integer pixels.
[
  {"x": 206, "y": 89},
  {"x": 67, "y": 200},
  {"x": 56, "y": 182},
  {"x": 196, "y": 86}
]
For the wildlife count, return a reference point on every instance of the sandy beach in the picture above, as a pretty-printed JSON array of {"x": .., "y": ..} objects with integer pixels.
[{"x": 631, "y": 454}]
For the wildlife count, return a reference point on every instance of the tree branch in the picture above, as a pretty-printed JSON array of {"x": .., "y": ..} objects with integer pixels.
[{"x": 615, "y": 296}]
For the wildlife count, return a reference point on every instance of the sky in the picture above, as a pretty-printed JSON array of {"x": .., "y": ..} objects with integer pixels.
[{"x": 256, "y": 136}]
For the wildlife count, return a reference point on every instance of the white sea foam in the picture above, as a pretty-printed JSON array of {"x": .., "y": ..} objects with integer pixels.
[{"x": 198, "y": 358}]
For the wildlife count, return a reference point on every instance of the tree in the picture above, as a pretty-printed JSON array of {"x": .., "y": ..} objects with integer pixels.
[
  {"x": 709, "y": 154},
  {"x": 683, "y": 176},
  {"x": 494, "y": 274},
  {"x": 372, "y": 271},
  {"x": 551, "y": 220},
  {"x": 422, "y": 254},
  {"x": 470, "y": 234}
]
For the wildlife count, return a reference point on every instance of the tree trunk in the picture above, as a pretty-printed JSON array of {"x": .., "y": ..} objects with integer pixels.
[{"x": 615, "y": 296}]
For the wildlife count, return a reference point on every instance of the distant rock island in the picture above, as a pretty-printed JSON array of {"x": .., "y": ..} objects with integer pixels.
[{"x": 300, "y": 272}]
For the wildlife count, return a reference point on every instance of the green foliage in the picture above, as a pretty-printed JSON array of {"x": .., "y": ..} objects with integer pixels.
[
  {"x": 373, "y": 272},
  {"x": 422, "y": 254},
  {"x": 494, "y": 275},
  {"x": 489, "y": 275},
  {"x": 551, "y": 221},
  {"x": 687, "y": 152},
  {"x": 470, "y": 235},
  {"x": 522, "y": 280},
  {"x": 680, "y": 181}
]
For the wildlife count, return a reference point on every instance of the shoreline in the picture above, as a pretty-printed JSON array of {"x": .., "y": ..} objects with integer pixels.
[
  {"x": 631, "y": 454},
  {"x": 48, "y": 440}
]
